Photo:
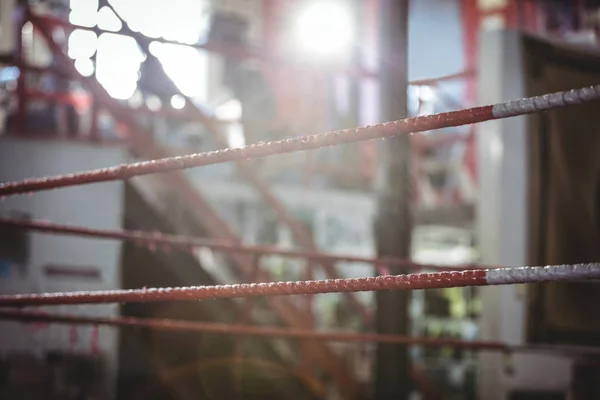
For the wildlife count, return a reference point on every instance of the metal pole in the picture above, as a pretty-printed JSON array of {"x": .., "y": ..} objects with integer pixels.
[
  {"x": 394, "y": 223},
  {"x": 470, "y": 31},
  {"x": 21, "y": 58}
]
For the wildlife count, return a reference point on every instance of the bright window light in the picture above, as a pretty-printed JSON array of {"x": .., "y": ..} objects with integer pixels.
[
  {"x": 179, "y": 20},
  {"x": 84, "y": 12},
  {"x": 118, "y": 64},
  {"x": 82, "y": 44},
  {"x": 108, "y": 21},
  {"x": 84, "y": 66},
  {"x": 28, "y": 28},
  {"x": 153, "y": 103},
  {"x": 177, "y": 102},
  {"x": 136, "y": 99},
  {"x": 235, "y": 136},
  {"x": 183, "y": 65},
  {"x": 324, "y": 28},
  {"x": 229, "y": 111},
  {"x": 426, "y": 93},
  {"x": 119, "y": 58}
]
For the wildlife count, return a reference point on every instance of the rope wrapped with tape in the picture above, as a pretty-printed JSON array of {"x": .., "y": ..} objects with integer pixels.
[
  {"x": 479, "y": 277},
  {"x": 311, "y": 142}
]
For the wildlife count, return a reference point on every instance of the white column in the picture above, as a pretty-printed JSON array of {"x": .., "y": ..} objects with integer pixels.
[{"x": 502, "y": 147}]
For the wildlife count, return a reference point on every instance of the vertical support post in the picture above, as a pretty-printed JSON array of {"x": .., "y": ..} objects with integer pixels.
[
  {"x": 470, "y": 31},
  {"x": 21, "y": 114},
  {"x": 579, "y": 12},
  {"x": 369, "y": 87},
  {"x": 94, "y": 129},
  {"x": 511, "y": 15},
  {"x": 270, "y": 11},
  {"x": 470, "y": 23},
  {"x": 306, "y": 360},
  {"x": 352, "y": 118},
  {"x": 245, "y": 316},
  {"x": 533, "y": 17},
  {"x": 94, "y": 134},
  {"x": 394, "y": 221}
]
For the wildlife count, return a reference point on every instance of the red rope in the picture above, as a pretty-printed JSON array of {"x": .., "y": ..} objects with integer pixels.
[
  {"x": 389, "y": 129},
  {"x": 390, "y": 282},
  {"x": 185, "y": 242},
  {"x": 433, "y": 280},
  {"x": 246, "y": 330},
  {"x": 37, "y": 317}
]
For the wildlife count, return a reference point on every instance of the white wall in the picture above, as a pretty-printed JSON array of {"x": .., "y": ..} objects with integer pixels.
[
  {"x": 98, "y": 206},
  {"x": 502, "y": 225},
  {"x": 7, "y": 30}
]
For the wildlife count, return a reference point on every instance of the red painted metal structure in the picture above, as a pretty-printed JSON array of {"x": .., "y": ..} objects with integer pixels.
[
  {"x": 143, "y": 144},
  {"x": 193, "y": 114},
  {"x": 190, "y": 113},
  {"x": 137, "y": 142},
  {"x": 300, "y": 233},
  {"x": 230, "y": 51},
  {"x": 197, "y": 115},
  {"x": 524, "y": 15},
  {"x": 275, "y": 70}
]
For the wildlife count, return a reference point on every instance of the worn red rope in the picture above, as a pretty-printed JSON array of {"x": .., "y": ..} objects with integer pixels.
[
  {"x": 36, "y": 317},
  {"x": 409, "y": 125},
  {"x": 211, "y": 327},
  {"x": 185, "y": 242},
  {"x": 432, "y": 280}
]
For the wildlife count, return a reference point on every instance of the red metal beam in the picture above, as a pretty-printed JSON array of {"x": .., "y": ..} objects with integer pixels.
[
  {"x": 300, "y": 233},
  {"x": 466, "y": 74},
  {"x": 470, "y": 22},
  {"x": 179, "y": 184},
  {"x": 72, "y": 99},
  {"x": 188, "y": 114},
  {"x": 185, "y": 113}
]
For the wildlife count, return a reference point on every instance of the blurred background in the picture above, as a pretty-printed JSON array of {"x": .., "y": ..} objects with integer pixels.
[{"x": 93, "y": 83}]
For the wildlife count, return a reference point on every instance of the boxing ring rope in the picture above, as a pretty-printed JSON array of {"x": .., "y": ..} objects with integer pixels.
[
  {"x": 156, "y": 239},
  {"x": 406, "y": 126},
  {"x": 444, "y": 277},
  {"x": 32, "y": 317},
  {"x": 229, "y": 329},
  {"x": 441, "y": 279},
  {"x": 433, "y": 280}
]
